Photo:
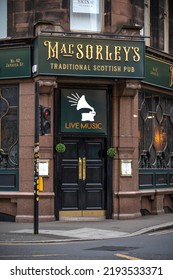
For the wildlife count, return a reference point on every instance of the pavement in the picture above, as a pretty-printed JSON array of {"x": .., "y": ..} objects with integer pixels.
[{"x": 68, "y": 231}]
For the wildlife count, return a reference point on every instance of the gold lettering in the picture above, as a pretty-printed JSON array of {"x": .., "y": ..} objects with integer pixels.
[
  {"x": 136, "y": 56},
  {"x": 108, "y": 54},
  {"x": 97, "y": 125},
  {"x": 53, "y": 65},
  {"x": 84, "y": 125},
  {"x": 63, "y": 49},
  {"x": 99, "y": 55},
  {"x": 79, "y": 54},
  {"x": 89, "y": 52},
  {"x": 109, "y": 68},
  {"x": 117, "y": 52},
  {"x": 73, "y": 125},
  {"x": 58, "y": 50},
  {"x": 52, "y": 51},
  {"x": 66, "y": 126},
  {"x": 129, "y": 69},
  {"x": 126, "y": 51},
  {"x": 78, "y": 125},
  {"x": 70, "y": 49},
  {"x": 171, "y": 76},
  {"x": 66, "y": 50}
]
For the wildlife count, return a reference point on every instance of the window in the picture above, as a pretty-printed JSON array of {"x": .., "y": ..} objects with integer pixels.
[
  {"x": 9, "y": 149},
  {"x": 86, "y": 15},
  {"x": 155, "y": 130},
  {"x": 3, "y": 18},
  {"x": 158, "y": 23}
]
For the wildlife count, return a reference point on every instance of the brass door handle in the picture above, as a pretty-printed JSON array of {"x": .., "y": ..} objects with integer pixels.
[
  {"x": 84, "y": 168},
  {"x": 80, "y": 168}
]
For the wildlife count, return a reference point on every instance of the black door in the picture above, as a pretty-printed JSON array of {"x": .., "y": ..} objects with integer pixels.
[{"x": 81, "y": 173}]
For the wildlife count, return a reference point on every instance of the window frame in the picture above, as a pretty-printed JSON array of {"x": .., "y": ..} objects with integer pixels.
[
  {"x": 147, "y": 24},
  {"x": 73, "y": 29}
]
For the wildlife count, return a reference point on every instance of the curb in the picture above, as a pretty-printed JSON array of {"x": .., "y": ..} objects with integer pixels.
[
  {"x": 42, "y": 241},
  {"x": 139, "y": 232},
  {"x": 153, "y": 229}
]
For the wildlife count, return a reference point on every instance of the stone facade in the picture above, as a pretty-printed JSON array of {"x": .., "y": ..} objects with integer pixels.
[
  {"x": 24, "y": 14},
  {"x": 27, "y": 19}
]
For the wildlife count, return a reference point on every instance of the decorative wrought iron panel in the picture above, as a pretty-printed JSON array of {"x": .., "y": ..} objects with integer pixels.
[
  {"x": 9, "y": 149},
  {"x": 155, "y": 130}
]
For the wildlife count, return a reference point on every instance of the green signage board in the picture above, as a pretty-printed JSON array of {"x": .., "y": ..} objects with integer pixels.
[
  {"x": 159, "y": 72},
  {"x": 89, "y": 57},
  {"x": 15, "y": 62},
  {"x": 83, "y": 110}
]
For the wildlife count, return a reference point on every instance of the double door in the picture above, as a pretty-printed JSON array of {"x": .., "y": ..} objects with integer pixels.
[{"x": 81, "y": 184}]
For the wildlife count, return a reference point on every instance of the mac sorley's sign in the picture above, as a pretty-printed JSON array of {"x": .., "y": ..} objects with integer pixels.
[{"x": 88, "y": 57}]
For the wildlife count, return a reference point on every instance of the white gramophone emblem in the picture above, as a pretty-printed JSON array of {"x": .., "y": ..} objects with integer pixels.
[{"x": 81, "y": 103}]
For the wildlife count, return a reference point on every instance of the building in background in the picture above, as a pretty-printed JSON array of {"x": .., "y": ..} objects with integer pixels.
[{"x": 104, "y": 72}]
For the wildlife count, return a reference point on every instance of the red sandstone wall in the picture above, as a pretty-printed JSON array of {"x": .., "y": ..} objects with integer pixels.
[{"x": 24, "y": 14}]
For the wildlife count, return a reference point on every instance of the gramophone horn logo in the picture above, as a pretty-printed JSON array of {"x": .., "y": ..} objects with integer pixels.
[{"x": 81, "y": 104}]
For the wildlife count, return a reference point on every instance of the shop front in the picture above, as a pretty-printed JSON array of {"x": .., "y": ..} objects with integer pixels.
[
  {"x": 90, "y": 86},
  {"x": 15, "y": 92},
  {"x": 96, "y": 85},
  {"x": 156, "y": 134}
]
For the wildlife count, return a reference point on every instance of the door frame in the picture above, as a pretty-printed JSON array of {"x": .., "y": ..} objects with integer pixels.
[{"x": 108, "y": 143}]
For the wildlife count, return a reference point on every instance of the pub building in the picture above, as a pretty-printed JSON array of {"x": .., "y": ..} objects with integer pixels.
[{"x": 86, "y": 114}]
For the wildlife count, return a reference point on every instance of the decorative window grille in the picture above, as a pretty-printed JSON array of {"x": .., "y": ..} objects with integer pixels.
[
  {"x": 9, "y": 127},
  {"x": 155, "y": 130}
]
